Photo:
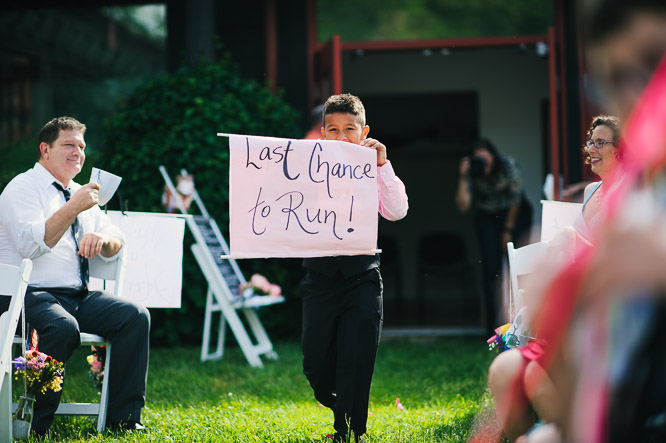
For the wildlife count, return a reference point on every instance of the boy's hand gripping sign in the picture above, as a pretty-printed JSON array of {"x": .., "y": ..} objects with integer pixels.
[{"x": 301, "y": 198}]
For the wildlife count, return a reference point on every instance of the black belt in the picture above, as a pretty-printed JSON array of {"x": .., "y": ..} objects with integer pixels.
[{"x": 76, "y": 291}]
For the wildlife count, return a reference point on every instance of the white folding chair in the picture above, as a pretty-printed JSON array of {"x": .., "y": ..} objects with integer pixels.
[
  {"x": 112, "y": 272},
  {"x": 522, "y": 261},
  {"x": 13, "y": 282}
]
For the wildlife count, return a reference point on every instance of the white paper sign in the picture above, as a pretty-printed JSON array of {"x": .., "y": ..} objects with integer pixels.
[
  {"x": 108, "y": 183},
  {"x": 301, "y": 198},
  {"x": 153, "y": 259},
  {"x": 556, "y": 215}
]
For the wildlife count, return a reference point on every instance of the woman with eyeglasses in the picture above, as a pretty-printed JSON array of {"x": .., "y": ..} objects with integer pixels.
[
  {"x": 517, "y": 378},
  {"x": 603, "y": 155}
]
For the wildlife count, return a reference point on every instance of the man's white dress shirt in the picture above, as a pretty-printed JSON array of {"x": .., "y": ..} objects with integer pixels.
[{"x": 25, "y": 205}]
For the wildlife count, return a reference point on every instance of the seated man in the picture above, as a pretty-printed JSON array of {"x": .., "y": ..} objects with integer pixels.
[{"x": 55, "y": 222}]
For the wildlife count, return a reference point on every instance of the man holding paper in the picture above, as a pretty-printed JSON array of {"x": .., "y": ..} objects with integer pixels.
[{"x": 57, "y": 223}]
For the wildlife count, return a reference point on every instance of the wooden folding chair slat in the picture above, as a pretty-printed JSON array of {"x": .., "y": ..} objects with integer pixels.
[{"x": 223, "y": 297}]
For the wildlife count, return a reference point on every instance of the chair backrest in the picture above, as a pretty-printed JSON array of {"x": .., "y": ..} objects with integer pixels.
[
  {"x": 110, "y": 271},
  {"x": 522, "y": 261},
  {"x": 13, "y": 282}
]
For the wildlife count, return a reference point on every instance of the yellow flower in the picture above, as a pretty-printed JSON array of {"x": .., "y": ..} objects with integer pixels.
[{"x": 504, "y": 328}]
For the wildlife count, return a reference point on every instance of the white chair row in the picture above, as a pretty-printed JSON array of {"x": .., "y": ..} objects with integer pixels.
[
  {"x": 14, "y": 282},
  {"x": 522, "y": 261}
]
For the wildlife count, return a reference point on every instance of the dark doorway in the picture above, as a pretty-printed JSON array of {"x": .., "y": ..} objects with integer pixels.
[{"x": 428, "y": 260}]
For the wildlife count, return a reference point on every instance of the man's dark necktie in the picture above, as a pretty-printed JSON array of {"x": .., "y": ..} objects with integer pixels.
[{"x": 83, "y": 262}]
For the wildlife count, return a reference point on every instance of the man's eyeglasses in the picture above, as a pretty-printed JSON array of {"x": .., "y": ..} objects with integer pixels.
[{"x": 597, "y": 144}]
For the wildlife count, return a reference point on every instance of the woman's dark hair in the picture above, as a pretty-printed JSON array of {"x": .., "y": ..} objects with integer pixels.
[
  {"x": 604, "y": 120},
  {"x": 484, "y": 143}
]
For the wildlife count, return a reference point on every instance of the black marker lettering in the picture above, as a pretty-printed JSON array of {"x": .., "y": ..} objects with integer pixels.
[
  {"x": 247, "y": 158},
  {"x": 292, "y": 210},
  {"x": 254, "y": 213},
  {"x": 285, "y": 167}
]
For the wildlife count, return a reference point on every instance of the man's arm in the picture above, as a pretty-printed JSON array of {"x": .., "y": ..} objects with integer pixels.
[
  {"x": 104, "y": 239},
  {"x": 62, "y": 219},
  {"x": 94, "y": 243}
]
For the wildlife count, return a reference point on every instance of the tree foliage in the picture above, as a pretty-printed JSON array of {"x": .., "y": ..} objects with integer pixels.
[
  {"x": 425, "y": 19},
  {"x": 172, "y": 120}
]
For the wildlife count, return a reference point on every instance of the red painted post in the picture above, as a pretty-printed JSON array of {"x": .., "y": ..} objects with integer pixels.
[
  {"x": 336, "y": 65},
  {"x": 559, "y": 23},
  {"x": 311, "y": 15},
  {"x": 554, "y": 130}
]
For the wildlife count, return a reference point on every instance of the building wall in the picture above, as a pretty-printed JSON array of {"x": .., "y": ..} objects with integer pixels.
[{"x": 511, "y": 87}]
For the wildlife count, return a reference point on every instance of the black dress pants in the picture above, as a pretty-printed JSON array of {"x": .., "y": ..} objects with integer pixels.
[
  {"x": 342, "y": 319},
  {"x": 59, "y": 315},
  {"x": 489, "y": 227}
]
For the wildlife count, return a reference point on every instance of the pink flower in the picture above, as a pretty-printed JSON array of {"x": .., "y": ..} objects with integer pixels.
[
  {"x": 260, "y": 282},
  {"x": 275, "y": 290},
  {"x": 398, "y": 404}
]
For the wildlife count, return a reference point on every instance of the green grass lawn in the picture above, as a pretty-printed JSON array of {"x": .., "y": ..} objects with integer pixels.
[{"x": 440, "y": 382}]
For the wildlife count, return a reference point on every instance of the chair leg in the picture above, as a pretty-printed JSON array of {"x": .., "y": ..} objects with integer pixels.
[
  {"x": 6, "y": 408},
  {"x": 242, "y": 337},
  {"x": 104, "y": 397},
  {"x": 221, "y": 332},
  {"x": 264, "y": 345},
  {"x": 212, "y": 307}
]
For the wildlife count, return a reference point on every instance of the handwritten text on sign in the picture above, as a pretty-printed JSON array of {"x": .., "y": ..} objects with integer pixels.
[{"x": 301, "y": 198}]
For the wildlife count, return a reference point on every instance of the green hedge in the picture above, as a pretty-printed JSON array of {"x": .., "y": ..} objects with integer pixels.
[
  {"x": 173, "y": 120},
  {"x": 16, "y": 157}
]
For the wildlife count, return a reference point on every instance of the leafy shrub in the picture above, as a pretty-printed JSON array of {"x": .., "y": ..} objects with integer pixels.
[
  {"x": 172, "y": 120},
  {"x": 16, "y": 157}
]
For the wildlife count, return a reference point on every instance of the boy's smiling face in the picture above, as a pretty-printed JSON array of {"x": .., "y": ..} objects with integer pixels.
[{"x": 345, "y": 127}]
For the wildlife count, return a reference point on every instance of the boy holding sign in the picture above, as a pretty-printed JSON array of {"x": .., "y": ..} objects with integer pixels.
[{"x": 342, "y": 296}]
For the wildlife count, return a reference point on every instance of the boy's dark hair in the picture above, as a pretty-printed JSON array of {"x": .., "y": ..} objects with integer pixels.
[
  {"x": 50, "y": 131},
  {"x": 605, "y": 18},
  {"x": 344, "y": 104}
]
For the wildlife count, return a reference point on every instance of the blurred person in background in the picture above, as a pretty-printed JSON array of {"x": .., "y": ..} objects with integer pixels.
[{"x": 491, "y": 184}]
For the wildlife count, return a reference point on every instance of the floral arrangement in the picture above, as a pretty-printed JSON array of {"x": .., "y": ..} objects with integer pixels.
[
  {"x": 259, "y": 285},
  {"x": 497, "y": 340},
  {"x": 96, "y": 361},
  {"x": 513, "y": 334},
  {"x": 41, "y": 371}
]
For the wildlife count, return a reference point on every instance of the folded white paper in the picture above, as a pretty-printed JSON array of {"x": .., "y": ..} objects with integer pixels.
[{"x": 108, "y": 183}]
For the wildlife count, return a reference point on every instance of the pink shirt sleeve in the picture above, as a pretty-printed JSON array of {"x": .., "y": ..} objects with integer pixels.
[{"x": 393, "y": 203}]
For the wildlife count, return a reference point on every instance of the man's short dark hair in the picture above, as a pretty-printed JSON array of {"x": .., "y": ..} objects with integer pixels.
[
  {"x": 604, "y": 18},
  {"x": 50, "y": 131},
  {"x": 344, "y": 104}
]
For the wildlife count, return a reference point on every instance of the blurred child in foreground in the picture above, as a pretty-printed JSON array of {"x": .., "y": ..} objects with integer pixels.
[{"x": 610, "y": 302}]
